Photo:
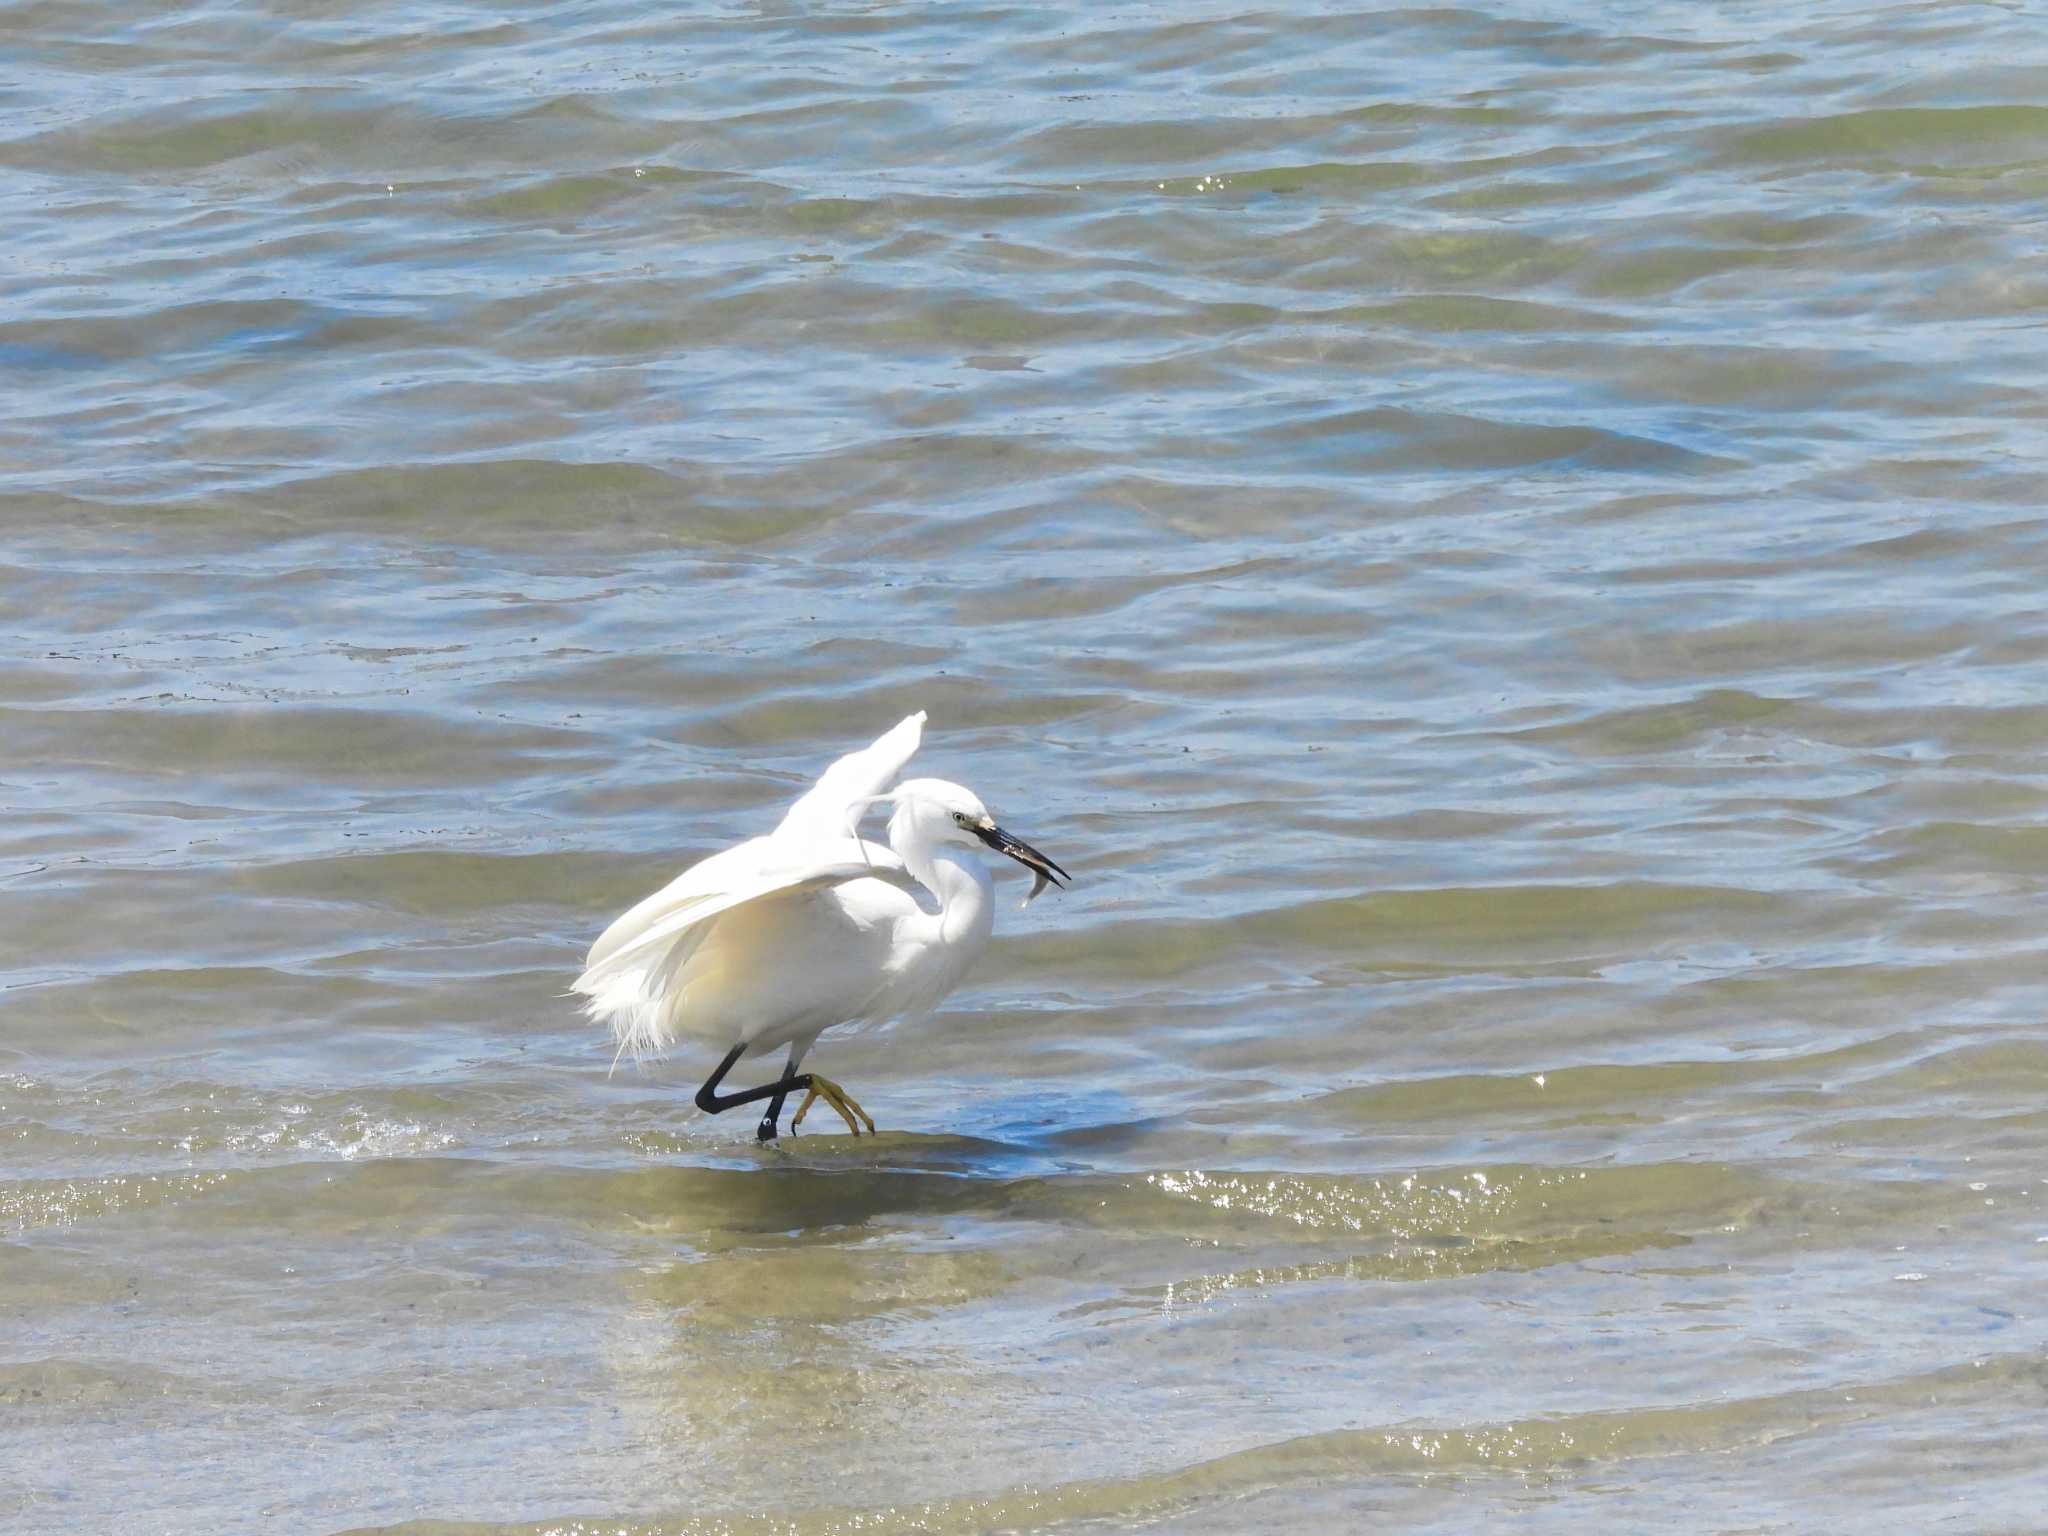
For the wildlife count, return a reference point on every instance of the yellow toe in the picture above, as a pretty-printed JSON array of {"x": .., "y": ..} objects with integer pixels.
[{"x": 836, "y": 1096}]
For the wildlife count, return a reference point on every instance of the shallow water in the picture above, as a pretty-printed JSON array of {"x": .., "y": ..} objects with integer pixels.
[{"x": 1501, "y": 545}]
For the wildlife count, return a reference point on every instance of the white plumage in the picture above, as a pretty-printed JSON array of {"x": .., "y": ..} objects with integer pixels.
[{"x": 775, "y": 940}]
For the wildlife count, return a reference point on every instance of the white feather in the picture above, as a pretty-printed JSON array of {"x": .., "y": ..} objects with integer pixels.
[
  {"x": 821, "y": 811},
  {"x": 630, "y": 975},
  {"x": 778, "y": 939}
]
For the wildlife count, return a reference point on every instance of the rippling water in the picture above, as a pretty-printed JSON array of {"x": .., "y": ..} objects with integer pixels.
[{"x": 1502, "y": 545}]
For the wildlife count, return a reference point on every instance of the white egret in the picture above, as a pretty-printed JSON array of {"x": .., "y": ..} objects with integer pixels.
[{"x": 776, "y": 940}]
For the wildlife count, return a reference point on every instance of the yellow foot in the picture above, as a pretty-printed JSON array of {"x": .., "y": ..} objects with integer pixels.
[{"x": 824, "y": 1088}]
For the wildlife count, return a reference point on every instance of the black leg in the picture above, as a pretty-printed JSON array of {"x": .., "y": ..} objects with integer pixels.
[
  {"x": 766, "y": 1130},
  {"x": 712, "y": 1102}
]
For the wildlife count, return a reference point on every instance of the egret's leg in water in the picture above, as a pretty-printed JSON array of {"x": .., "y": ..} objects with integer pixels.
[
  {"x": 712, "y": 1102},
  {"x": 767, "y": 1131}
]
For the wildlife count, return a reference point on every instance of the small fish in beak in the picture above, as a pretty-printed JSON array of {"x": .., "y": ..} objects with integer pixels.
[{"x": 1044, "y": 871}]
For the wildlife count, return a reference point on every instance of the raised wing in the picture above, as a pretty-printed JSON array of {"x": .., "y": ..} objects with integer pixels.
[
  {"x": 761, "y": 866},
  {"x": 632, "y": 965},
  {"x": 826, "y": 810}
]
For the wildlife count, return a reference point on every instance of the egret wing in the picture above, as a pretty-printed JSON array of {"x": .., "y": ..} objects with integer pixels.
[
  {"x": 825, "y": 810},
  {"x": 759, "y": 867},
  {"x": 705, "y": 880}
]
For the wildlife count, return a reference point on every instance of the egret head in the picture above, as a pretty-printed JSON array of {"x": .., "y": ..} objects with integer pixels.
[{"x": 937, "y": 811}]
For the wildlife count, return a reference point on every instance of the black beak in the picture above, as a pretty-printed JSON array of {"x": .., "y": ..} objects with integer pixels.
[{"x": 1024, "y": 854}]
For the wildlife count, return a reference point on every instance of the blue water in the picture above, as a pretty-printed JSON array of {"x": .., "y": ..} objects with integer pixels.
[{"x": 1501, "y": 545}]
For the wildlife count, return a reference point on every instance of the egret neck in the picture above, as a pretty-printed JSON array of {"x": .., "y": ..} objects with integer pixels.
[{"x": 965, "y": 892}]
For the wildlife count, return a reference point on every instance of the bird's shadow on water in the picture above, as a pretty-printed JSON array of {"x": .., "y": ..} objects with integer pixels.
[
  {"x": 1019, "y": 1153},
  {"x": 1016, "y": 1137}
]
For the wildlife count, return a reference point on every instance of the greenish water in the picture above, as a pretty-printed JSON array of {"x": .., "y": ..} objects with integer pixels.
[{"x": 1502, "y": 546}]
